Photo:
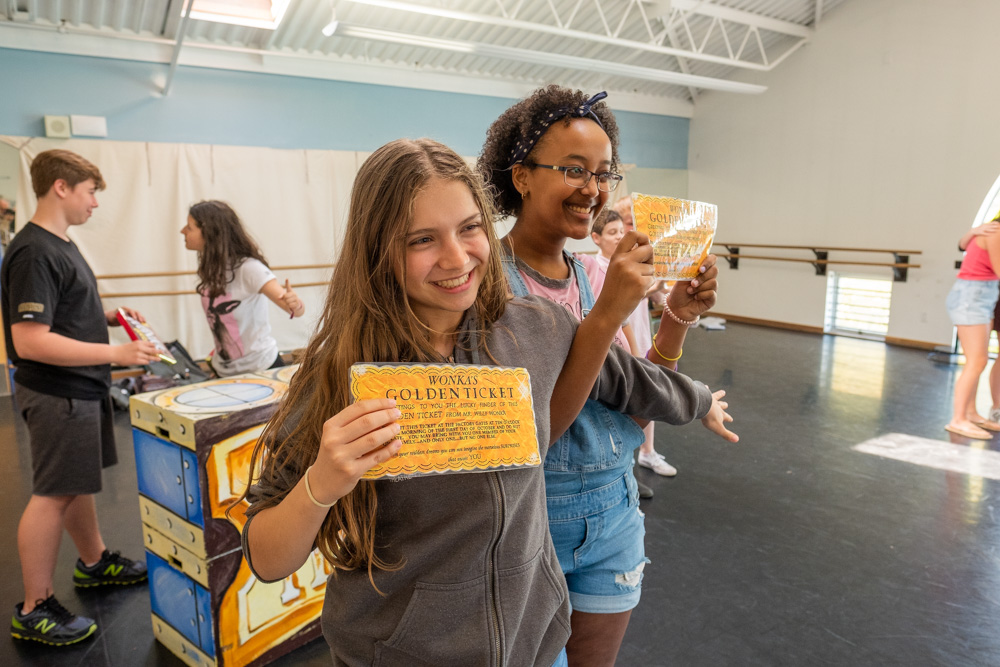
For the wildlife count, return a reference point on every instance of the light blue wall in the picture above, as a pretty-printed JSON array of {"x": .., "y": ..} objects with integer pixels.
[{"x": 209, "y": 106}]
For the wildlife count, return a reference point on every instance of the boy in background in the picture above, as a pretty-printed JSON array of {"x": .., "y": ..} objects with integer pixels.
[{"x": 56, "y": 334}]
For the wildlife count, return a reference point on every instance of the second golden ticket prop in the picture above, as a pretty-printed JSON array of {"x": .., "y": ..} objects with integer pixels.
[
  {"x": 681, "y": 232},
  {"x": 455, "y": 418}
]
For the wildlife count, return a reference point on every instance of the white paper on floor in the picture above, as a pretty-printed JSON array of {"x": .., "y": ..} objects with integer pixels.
[
  {"x": 968, "y": 459},
  {"x": 713, "y": 323}
]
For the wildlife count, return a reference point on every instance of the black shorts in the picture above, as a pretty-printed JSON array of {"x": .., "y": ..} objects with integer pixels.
[{"x": 72, "y": 440}]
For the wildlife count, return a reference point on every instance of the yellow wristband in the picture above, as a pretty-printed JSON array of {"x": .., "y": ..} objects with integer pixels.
[
  {"x": 660, "y": 354},
  {"x": 310, "y": 493}
]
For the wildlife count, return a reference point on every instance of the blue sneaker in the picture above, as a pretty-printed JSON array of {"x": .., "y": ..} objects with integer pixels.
[
  {"x": 50, "y": 623},
  {"x": 113, "y": 568}
]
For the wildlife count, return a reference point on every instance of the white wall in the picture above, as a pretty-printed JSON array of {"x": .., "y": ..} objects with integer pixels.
[
  {"x": 294, "y": 203},
  {"x": 883, "y": 132}
]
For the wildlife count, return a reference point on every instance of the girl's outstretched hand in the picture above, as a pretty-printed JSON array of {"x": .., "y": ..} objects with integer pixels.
[
  {"x": 292, "y": 300},
  {"x": 630, "y": 274},
  {"x": 717, "y": 417},
  {"x": 354, "y": 440},
  {"x": 689, "y": 299}
]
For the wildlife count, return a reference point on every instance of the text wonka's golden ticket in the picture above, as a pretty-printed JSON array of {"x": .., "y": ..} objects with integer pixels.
[
  {"x": 455, "y": 418},
  {"x": 681, "y": 233}
]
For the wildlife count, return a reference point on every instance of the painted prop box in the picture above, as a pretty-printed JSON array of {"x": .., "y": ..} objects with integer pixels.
[{"x": 192, "y": 451}]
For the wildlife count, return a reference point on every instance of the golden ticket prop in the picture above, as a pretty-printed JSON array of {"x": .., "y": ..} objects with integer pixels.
[
  {"x": 455, "y": 418},
  {"x": 680, "y": 231}
]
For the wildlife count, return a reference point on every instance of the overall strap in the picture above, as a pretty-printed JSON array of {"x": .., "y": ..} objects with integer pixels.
[
  {"x": 517, "y": 285},
  {"x": 583, "y": 283}
]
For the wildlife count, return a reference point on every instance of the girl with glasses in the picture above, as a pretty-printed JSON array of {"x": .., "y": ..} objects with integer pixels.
[
  {"x": 592, "y": 494},
  {"x": 450, "y": 569}
]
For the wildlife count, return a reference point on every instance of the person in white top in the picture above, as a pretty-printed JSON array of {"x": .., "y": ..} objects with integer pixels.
[
  {"x": 640, "y": 326},
  {"x": 234, "y": 278}
]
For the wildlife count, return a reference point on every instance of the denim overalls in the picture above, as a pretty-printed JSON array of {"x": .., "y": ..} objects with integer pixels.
[{"x": 590, "y": 488}]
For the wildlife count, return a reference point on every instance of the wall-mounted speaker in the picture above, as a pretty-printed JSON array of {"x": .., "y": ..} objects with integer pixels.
[{"x": 57, "y": 127}]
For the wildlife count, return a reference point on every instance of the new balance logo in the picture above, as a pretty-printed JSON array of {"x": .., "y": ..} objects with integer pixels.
[
  {"x": 45, "y": 625},
  {"x": 114, "y": 570}
]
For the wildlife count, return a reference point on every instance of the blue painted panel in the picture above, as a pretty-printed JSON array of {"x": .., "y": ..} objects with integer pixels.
[
  {"x": 655, "y": 142},
  {"x": 208, "y": 106},
  {"x": 192, "y": 491},
  {"x": 172, "y": 597},
  {"x": 204, "y": 606},
  {"x": 158, "y": 468}
]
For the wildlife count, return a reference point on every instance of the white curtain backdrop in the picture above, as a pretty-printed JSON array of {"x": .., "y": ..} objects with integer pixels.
[{"x": 294, "y": 202}]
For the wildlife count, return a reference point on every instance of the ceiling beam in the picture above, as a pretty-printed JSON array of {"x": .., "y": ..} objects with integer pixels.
[
  {"x": 43, "y": 37},
  {"x": 550, "y": 59},
  {"x": 746, "y": 18},
  {"x": 518, "y": 24}
]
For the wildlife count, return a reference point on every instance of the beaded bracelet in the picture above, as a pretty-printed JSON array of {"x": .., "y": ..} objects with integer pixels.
[
  {"x": 656, "y": 349},
  {"x": 670, "y": 314},
  {"x": 310, "y": 493}
]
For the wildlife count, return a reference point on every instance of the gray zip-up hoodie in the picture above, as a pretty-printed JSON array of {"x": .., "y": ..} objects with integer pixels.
[{"x": 480, "y": 583}]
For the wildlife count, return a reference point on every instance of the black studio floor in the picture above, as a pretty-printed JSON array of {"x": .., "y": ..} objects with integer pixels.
[{"x": 788, "y": 548}]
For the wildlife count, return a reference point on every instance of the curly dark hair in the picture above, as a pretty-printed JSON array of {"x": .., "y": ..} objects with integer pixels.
[{"x": 520, "y": 120}]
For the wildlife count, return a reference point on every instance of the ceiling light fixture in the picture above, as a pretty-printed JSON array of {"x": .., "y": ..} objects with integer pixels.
[
  {"x": 331, "y": 27},
  {"x": 264, "y": 14},
  {"x": 360, "y": 32}
]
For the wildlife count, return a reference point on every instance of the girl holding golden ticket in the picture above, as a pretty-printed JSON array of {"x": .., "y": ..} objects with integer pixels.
[{"x": 441, "y": 569}]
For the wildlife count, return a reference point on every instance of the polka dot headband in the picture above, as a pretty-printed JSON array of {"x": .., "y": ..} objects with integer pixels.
[{"x": 528, "y": 140}]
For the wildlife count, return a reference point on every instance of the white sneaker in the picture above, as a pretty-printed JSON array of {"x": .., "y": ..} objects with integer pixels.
[{"x": 657, "y": 463}]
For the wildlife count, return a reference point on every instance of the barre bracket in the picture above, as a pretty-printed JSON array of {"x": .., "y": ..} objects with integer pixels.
[{"x": 734, "y": 259}]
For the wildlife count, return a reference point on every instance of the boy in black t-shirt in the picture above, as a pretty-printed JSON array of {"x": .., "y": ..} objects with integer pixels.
[{"x": 56, "y": 333}]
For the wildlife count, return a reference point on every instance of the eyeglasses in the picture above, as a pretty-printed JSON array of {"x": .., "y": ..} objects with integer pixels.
[{"x": 578, "y": 177}]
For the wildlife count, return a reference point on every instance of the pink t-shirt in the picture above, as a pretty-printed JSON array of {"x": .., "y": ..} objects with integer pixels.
[
  {"x": 597, "y": 271},
  {"x": 976, "y": 264},
  {"x": 565, "y": 292}
]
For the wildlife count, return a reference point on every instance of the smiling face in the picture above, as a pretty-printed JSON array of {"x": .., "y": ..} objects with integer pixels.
[
  {"x": 77, "y": 203},
  {"x": 552, "y": 205},
  {"x": 447, "y": 251},
  {"x": 193, "y": 239}
]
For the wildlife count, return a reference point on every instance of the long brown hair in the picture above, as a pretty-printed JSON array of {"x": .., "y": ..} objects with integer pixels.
[
  {"x": 227, "y": 245},
  {"x": 367, "y": 317}
]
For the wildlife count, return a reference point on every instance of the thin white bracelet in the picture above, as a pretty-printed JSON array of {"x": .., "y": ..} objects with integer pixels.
[
  {"x": 670, "y": 314},
  {"x": 310, "y": 493}
]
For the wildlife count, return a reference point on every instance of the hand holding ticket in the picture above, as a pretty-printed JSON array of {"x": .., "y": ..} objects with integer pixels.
[
  {"x": 137, "y": 330},
  {"x": 453, "y": 418},
  {"x": 680, "y": 231}
]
